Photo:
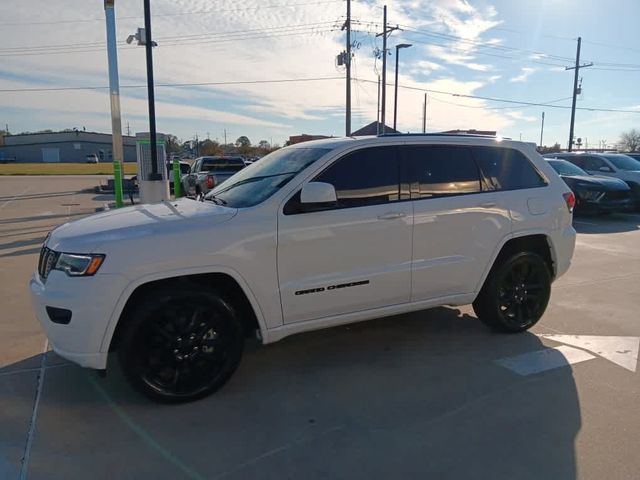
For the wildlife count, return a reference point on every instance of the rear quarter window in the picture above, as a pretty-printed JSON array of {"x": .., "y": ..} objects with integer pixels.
[{"x": 506, "y": 169}]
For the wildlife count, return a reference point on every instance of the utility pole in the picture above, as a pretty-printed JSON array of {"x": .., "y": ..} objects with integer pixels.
[
  {"x": 424, "y": 114},
  {"x": 378, "y": 110},
  {"x": 347, "y": 26},
  {"x": 128, "y": 130},
  {"x": 114, "y": 94},
  {"x": 385, "y": 31},
  {"x": 542, "y": 129},
  {"x": 575, "y": 90}
]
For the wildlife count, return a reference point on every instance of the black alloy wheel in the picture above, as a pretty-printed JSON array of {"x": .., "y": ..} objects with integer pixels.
[
  {"x": 515, "y": 294},
  {"x": 181, "y": 345}
]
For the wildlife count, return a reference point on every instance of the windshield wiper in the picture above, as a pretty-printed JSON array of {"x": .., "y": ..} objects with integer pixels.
[
  {"x": 261, "y": 177},
  {"x": 214, "y": 199}
]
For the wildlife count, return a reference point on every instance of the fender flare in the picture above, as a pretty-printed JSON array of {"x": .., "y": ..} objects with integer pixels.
[
  {"x": 152, "y": 277},
  {"x": 503, "y": 242}
]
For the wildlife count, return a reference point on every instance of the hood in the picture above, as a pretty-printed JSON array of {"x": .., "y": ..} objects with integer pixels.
[
  {"x": 86, "y": 234},
  {"x": 602, "y": 183}
]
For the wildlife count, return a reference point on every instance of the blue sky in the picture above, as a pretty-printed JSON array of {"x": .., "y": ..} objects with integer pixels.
[{"x": 501, "y": 49}]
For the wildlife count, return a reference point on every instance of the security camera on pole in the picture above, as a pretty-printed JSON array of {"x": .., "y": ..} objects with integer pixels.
[{"x": 152, "y": 178}]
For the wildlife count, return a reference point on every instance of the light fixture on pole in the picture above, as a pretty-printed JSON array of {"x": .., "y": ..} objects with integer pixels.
[
  {"x": 156, "y": 186},
  {"x": 395, "y": 96}
]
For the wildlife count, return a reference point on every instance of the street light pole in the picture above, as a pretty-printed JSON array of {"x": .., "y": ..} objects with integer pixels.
[
  {"x": 152, "y": 105},
  {"x": 395, "y": 94}
]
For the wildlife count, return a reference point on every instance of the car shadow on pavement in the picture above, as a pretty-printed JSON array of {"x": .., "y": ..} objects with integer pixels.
[
  {"x": 615, "y": 223},
  {"x": 410, "y": 396}
]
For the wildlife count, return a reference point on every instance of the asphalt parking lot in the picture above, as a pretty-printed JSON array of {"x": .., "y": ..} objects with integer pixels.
[{"x": 432, "y": 394}]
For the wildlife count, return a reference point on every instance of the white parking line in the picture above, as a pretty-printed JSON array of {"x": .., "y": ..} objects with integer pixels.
[
  {"x": 543, "y": 360},
  {"x": 14, "y": 197},
  {"x": 24, "y": 467}
]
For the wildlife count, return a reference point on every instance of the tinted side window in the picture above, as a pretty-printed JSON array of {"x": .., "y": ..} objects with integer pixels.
[
  {"x": 441, "y": 170},
  {"x": 593, "y": 163},
  {"x": 579, "y": 161},
  {"x": 369, "y": 176},
  {"x": 506, "y": 168}
]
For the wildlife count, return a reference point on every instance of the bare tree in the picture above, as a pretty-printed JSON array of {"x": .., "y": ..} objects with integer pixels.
[{"x": 630, "y": 140}]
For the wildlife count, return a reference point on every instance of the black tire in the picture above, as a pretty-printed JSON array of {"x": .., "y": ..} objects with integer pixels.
[
  {"x": 515, "y": 294},
  {"x": 181, "y": 344}
]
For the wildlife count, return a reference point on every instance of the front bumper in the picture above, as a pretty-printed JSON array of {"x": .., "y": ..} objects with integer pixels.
[
  {"x": 91, "y": 301},
  {"x": 604, "y": 206}
]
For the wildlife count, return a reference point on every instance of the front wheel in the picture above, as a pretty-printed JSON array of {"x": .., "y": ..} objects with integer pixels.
[
  {"x": 516, "y": 293},
  {"x": 181, "y": 344}
]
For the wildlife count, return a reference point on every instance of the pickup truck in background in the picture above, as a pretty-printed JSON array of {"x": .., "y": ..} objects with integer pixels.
[{"x": 208, "y": 172}]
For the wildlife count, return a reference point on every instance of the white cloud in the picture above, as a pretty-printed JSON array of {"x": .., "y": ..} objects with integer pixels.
[
  {"x": 525, "y": 73},
  {"x": 522, "y": 116},
  {"x": 452, "y": 57},
  {"x": 269, "y": 108}
]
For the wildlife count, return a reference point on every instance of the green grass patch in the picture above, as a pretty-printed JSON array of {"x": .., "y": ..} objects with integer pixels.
[{"x": 64, "y": 168}]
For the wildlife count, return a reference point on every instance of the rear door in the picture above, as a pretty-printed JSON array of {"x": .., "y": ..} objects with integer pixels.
[
  {"x": 457, "y": 222},
  {"x": 355, "y": 255},
  {"x": 519, "y": 187}
]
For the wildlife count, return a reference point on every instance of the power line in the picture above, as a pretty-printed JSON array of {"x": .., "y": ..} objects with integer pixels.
[
  {"x": 170, "y": 40},
  {"x": 503, "y": 100},
  {"x": 541, "y": 104},
  {"x": 314, "y": 79},
  {"x": 236, "y": 38},
  {"x": 504, "y": 48},
  {"x": 196, "y": 84}
]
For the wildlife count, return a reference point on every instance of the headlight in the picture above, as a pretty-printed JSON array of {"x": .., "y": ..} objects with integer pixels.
[{"x": 76, "y": 265}]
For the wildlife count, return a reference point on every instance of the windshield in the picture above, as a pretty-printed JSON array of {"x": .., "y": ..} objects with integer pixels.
[
  {"x": 565, "y": 168},
  {"x": 623, "y": 162},
  {"x": 258, "y": 181}
]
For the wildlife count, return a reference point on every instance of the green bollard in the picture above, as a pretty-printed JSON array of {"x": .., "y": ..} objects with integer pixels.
[
  {"x": 117, "y": 183},
  {"x": 177, "y": 185}
]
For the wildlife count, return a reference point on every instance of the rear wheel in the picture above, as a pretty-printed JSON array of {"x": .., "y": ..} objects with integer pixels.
[
  {"x": 181, "y": 344},
  {"x": 516, "y": 293}
]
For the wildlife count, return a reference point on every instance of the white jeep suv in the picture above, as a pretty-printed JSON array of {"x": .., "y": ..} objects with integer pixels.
[{"x": 313, "y": 235}]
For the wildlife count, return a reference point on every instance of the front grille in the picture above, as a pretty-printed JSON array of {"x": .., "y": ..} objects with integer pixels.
[
  {"x": 46, "y": 262},
  {"x": 618, "y": 195}
]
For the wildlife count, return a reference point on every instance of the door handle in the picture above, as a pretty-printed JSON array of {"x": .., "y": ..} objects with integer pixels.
[
  {"x": 391, "y": 215},
  {"x": 487, "y": 205}
]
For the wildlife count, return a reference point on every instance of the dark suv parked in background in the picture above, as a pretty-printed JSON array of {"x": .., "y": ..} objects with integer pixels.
[
  {"x": 614, "y": 165},
  {"x": 594, "y": 193}
]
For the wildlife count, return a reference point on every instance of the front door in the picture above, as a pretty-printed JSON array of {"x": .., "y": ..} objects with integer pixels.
[{"x": 355, "y": 255}]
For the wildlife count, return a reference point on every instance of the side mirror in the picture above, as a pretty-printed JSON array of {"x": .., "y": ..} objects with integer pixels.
[
  {"x": 319, "y": 194},
  {"x": 605, "y": 169}
]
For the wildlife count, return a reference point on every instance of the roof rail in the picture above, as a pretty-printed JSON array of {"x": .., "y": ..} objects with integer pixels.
[{"x": 475, "y": 135}]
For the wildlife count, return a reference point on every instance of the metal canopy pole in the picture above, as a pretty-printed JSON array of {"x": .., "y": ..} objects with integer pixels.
[{"x": 114, "y": 94}]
